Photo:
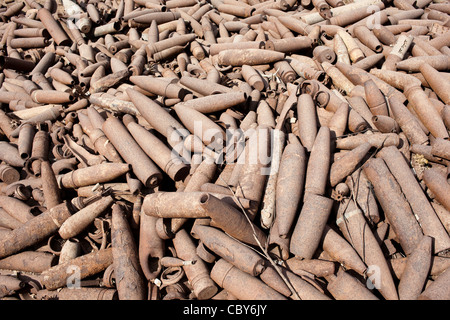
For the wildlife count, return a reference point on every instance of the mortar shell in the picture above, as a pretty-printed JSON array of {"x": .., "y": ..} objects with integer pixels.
[
  {"x": 88, "y": 265},
  {"x": 232, "y": 279},
  {"x": 416, "y": 271},
  {"x": 197, "y": 273},
  {"x": 310, "y": 226},
  {"x": 130, "y": 151},
  {"x": 127, "y": 271},
  {"x": 395, "y": 206},
  {"x": 80, "y": 220}
]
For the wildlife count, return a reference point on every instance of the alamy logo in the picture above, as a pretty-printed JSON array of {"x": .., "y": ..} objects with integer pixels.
[{"x": 374, "y": 20}]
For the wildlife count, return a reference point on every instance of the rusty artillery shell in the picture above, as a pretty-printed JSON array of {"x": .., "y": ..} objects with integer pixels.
[
  {"x": 308, "y": 127},
  {"x": 50, "y": 188},
  {"x": 80, "y": 220},
  {"x": 397, "y": 54},
  {"x": 159, "y": 86},
  {"x": 154, "y": 114},
  {"x": 437, "y": 183},
  {"x": 347, "y": 164},
  {"x": 376, "y": 140},
  {"x": 203, "y": 87},
  {"x": 416, "y": 271},
  {"x": 231, "y": 250},
  {"x": 25, "y": 140},
  {"x": 8, "y": 221},
  {"x": 344, "y": 286},
  {"x": 127, "y": 271},
  {"x": 429, "y": 117},
  {"x": 16, "y": 208},
  {"x": 52, "y": 97},
  {"x": 438, "y": 289},
  {"x": 216, "y": 102},
  {"x": 289, "y": 45},
  {"x": 354, "y": 51},
  {"x": 338, "y": 78},
  {"x": 70, "y": 250},
  {"x": 304, "y": 290},
  {"x": 252, "y": 77},
  {"x": 369, "y": 62},
  {"x": 35, "y": 230},
  {"x": 169, "y": 162},
  {"x": 142, "y": 166},
  {"x": 197, "y": 273},
  {"x": 318, "y": 267},
  {"x": 338, "y": 123},
  {"x": 368, "y": 38},
  {"x": 176, "y": 204},
  {"x": 9, "y": 285},
  {"x": 233, "y": 222},
  {"x": 364, "y": 195},
  {"x": 218, "y": 47},
  {"x": 421, "y": 207},
  {"x": 255, "y": 167},
  {"x": 395, "y": 206},
  {"x": 318, "y": 167},
  {"x": 354, "y": 227},
  {"x": 100, "y": 173},
  {"x": 53, "y": 27},
  {"x": 16, "y": 64},
  {"x": 310, "y": 225},
  {"x": 29, "y": 261},
  {"x": 100, "y": 141},
  {"x": 241, "y": 284},
  {"x": 84, "y": 266},
  {"x": 239, "y": 57},
  {"x": 289, "y": 186},
  {"x": 436, "y": 81},
  {"x": 151, "y": 247},
  {"x": 375, "y": 99},
  {"x": 5, "y": 124},
  {"x": 324, "y": 53},
  {"x": 161, "y": 45},
  {"x": 385, "y": 124},
  {"x": 407, "y": 122},
  {"x": 10, "y": 154},
  {"x": 440, "y": 63},
  {"x": 441, "y": 148},
  {"x": 341, "y": 50}
]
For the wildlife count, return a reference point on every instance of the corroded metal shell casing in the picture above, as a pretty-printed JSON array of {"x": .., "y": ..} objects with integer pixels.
[
  {"x": 310, "y": 225},
  {"x": 80, "y": 220},
  {"x": 99, "y": 173},
  {"x": 242, "y": 285},
  {"x": 289, "y": 186},
  {"x": 35, "y": 230},
  {"x": 416, "y": 270},
  {"x": 319, "y": 161},
  {"x": 394, "y": 204},
  {"x": 127, "y": 272},
  {"x": 197, "y": 273},
  {"x": 231, "y": 250},
  {"x": 142, "y": 166},
  {"x": 84, "y": 266},
  {"x": 354, "y": 227},
  {"x": 429, "y": 221},
  {"x": 239, "y": 57}
]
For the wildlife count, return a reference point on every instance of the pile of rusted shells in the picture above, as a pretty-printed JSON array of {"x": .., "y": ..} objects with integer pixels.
[{"x": 224, "y": 149}]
